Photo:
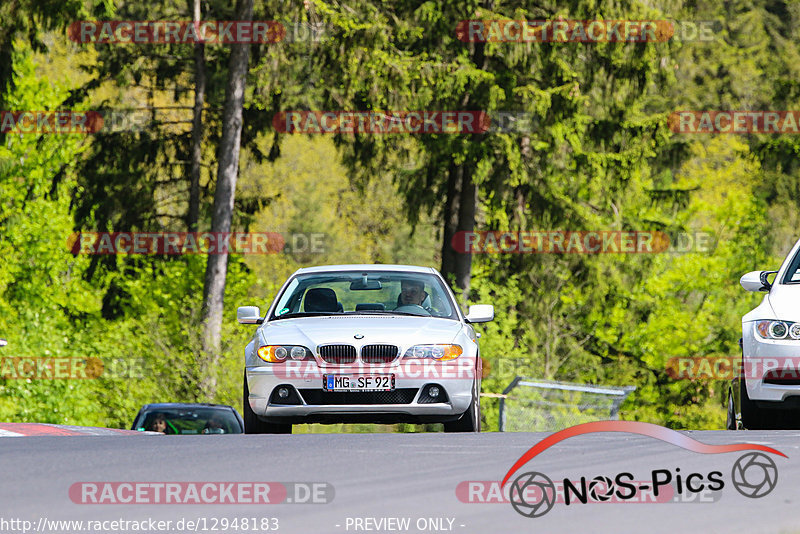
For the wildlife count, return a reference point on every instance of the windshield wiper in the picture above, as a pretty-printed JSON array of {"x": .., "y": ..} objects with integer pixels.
[
  {"x": 380, "y": 312},
  {"x": 294, "y": 315}
]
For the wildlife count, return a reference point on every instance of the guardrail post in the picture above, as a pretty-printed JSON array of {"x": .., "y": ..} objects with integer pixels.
[{"x": 512, "y": 385}]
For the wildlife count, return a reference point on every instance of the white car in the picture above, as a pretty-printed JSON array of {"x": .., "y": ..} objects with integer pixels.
[
  {"x": 766, "y": 394},
  {"x": 363, "y": 343}
]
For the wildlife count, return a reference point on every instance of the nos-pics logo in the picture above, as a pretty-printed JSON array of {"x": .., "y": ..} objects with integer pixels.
[{"x": 533, "y": 494}]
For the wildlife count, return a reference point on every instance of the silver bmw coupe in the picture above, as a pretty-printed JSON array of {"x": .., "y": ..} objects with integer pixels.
[{"x": 363, "y": 343}]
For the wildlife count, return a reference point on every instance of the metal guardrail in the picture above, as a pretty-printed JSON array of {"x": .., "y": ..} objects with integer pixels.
[{"x": 551, "y": 405}]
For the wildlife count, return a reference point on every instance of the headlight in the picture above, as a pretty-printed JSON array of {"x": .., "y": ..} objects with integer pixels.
[
  {"x": 435, "y": 352},
  {"x": 794, "y": 331},
  {"x": 278, "y": 353},
  {"x": 778, "y": 329}
]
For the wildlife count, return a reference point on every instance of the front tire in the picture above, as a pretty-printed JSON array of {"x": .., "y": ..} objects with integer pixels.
[
  {"x": 254, "y": 425},
  {"x": 470, "y": 421},
  {"x": 755, "y": 418},
  {"x": 730, "y": 422},
  {"x": 752, "y": 419}
]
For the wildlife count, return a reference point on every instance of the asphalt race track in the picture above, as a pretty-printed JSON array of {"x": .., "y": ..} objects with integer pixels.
[{"x": 379, "y": 481}]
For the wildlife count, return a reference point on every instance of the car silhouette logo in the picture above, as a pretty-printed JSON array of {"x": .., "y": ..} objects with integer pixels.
[{"x": 359, "y": 336}]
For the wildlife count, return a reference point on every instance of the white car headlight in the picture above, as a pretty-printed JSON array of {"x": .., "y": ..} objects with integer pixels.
[
  {"x": 778, "y": 329},
  {"x": 435, "y": 352},
  {"x": 298, "y": 353},
  {"x": 278, "y": 353}
]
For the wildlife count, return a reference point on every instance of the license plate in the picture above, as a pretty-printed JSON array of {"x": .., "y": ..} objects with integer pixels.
[{"x": 358, "y": 382}]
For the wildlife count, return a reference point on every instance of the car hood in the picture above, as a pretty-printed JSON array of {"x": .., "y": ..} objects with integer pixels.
[
  {"x": 785, "y": 302},
  {"x": 403, "y": 331}
]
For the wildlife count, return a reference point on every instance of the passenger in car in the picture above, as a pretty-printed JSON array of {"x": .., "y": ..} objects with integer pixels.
[
  {"x": 158, "y": 424},
  {"x": 214, "y": 426}
]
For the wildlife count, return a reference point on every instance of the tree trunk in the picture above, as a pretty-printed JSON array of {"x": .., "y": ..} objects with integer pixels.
[
  {"x": 468, "y": 198},
  {"x": 450, "y": 222},
  {"x": 197, "y": 125},
  {"x": 216, "y": 268},
  {"x": 460, "y": 264}
]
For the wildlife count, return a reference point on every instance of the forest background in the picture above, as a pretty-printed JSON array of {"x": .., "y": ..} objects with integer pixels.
[{"x": 600, "y": 157}]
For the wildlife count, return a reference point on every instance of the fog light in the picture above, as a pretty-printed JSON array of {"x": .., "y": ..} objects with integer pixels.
[
  {"x": 433, "y": 391},
  {"x": 283, "y": 393}
]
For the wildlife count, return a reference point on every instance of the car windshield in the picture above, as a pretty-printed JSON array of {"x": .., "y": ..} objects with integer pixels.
[
  {"x": 793, "y": 273},
  {"x": 187, "y": 421},
  {"x": 365, "y": 293}
]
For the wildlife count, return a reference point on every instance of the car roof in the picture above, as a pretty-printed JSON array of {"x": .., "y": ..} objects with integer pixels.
[
  {"x": 162, "y": 405},
  {"x": 366, "y": 267}
]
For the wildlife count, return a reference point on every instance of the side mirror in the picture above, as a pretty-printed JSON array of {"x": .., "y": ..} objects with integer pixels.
[
  {"x": 249, "y": 315},
  {"x": 3, "y": 342},
  {"x": 756, "y": 281},
  {"x": 480, "y": 313}
]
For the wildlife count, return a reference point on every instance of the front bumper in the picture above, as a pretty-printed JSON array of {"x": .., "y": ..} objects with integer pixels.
[{"x": 311, "y": 403}]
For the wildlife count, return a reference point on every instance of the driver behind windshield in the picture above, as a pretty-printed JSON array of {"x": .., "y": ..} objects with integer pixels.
[
  {"x": 412, "y": 293},
  {"x": 159, "y": 424}
]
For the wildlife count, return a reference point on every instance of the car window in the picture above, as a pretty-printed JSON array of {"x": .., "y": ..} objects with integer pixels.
[
  {"x": 187, "y": 421},
  {"x": 365, "y": 293},
  {"x": 793, "y": 272}
]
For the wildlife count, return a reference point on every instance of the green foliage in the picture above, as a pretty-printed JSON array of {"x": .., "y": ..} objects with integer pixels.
[{"x": 44, "y": 302}]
